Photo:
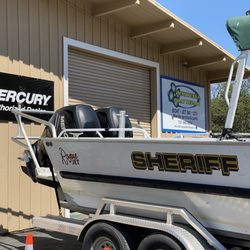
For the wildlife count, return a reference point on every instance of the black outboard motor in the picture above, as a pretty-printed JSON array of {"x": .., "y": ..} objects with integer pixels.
[
  {"x": 108, "y": 118},
  {"x": 69, "y": 117},
  {"x": 75, "y": 116}
]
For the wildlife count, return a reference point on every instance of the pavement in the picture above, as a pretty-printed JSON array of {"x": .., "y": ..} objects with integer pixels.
[{"x": 42, "y": 240}]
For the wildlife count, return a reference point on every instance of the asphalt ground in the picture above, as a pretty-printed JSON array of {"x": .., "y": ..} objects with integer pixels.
[
  {"x": 46, "y": 240},
  {"x": 42, "y": 240}
]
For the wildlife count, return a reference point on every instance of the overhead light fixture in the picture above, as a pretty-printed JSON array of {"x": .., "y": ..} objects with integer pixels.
[{"x": 185, "y": 64}]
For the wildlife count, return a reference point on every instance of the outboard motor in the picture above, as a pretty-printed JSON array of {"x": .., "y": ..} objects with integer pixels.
[
  {"x": 108, "y": 118},
  {"x": 75, "y": 116},
  {"x": 69, "y": 117}
]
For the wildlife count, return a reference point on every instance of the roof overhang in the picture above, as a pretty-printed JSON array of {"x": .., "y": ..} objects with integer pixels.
[{"x": 147, "y": 18}]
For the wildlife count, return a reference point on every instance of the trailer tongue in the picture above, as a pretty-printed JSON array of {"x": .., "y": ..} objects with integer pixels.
[{"x": 89, "y": 155}]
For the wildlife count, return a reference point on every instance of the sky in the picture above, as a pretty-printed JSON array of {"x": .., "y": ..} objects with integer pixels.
[{"x": 209, "y": 17}]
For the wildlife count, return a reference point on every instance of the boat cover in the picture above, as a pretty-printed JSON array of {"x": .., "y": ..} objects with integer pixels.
[{"x": 239, "y": 29}]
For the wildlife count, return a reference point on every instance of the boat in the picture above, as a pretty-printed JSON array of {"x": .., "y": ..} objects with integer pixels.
[{"x": 88, "y": 154}]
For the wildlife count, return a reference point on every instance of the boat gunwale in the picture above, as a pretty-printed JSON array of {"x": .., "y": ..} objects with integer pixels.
[{"x": 194, "y": 141}]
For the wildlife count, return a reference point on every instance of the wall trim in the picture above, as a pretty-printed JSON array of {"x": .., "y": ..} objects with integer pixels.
[{"x": 68, "y": 42}]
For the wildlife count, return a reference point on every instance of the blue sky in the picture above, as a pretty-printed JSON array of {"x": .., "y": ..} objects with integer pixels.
[{"x": 209, "y": 17}]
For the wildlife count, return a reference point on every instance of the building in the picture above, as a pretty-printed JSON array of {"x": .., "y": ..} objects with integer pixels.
[{"x": 100, "y": 52}]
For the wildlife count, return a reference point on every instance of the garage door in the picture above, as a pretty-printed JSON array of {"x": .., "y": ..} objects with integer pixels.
[{"x": 102, "y": 82}]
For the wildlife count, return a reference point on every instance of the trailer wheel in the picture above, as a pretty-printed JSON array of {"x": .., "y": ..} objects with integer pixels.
[
  {"x": 103, "y": 236},
  {"x": 159, "y": 242}
]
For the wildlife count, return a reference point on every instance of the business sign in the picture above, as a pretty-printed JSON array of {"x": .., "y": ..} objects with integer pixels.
[
  {"x": 182, "y": 106},
  {"x": 30, "y": 93}
]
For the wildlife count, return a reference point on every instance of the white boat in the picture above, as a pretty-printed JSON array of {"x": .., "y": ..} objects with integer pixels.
[
  {"x": 159, "y": 171},
  {"x": 89, "y": 161}
]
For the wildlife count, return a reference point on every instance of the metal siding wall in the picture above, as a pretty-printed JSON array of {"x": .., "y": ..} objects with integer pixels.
[
  {"x": 31, "y": 44},
  {"x": 102, "y": 82},
  {"x": 26, "y": 40}
]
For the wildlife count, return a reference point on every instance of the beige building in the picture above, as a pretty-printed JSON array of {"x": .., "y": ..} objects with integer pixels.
[{"x": 100, "y": 52}]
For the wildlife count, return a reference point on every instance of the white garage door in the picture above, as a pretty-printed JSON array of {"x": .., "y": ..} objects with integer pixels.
[{"x": 103, "y": 82}]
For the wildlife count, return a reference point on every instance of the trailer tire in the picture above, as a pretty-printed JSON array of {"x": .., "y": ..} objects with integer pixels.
[
  {"x": 102, "y": 235},
  {"x": 159, "y": 242}
]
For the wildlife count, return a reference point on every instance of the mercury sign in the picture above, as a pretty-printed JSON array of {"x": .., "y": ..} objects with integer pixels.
[
  {"x": 182, "y": 106},
  {"x": 32, "y": 94}
]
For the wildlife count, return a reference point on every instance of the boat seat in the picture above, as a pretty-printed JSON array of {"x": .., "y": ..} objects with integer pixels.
[{"x": 108, "y": 119}]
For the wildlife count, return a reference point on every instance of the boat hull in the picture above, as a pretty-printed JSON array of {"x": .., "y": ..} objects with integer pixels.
[{"x": 209, "y": 178}]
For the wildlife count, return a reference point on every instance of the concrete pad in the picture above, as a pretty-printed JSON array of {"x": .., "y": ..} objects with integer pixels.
[{"x": 43, "y": 239}]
